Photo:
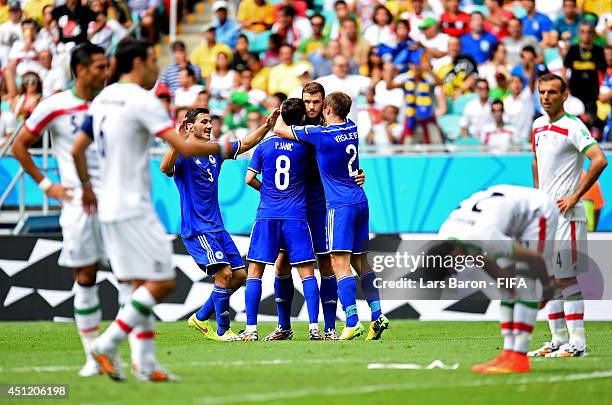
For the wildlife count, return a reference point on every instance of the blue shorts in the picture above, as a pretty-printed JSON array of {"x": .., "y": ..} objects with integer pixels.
[
  {"x": 348, "y": 228},
  {"x": 316, "y": 223},
  {"x": 211, "y": 249},
  {"x": 270, "y": 236}
]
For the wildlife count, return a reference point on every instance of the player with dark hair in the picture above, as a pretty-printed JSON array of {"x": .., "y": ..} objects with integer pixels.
[{"x": 62, "y": 114}]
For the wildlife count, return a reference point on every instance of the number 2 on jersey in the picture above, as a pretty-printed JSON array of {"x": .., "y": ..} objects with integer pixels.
[
  {"x": 352, "y": 149},
  {"x": 281, "y": 176}
]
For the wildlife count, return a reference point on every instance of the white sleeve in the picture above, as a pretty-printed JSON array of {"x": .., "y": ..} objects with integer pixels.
[
  {"x": 153, "y": 115},
  {"x": 580, "y": 137}
]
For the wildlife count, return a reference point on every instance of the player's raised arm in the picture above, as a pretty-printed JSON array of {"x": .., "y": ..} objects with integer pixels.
[
  {"x": 82, "y": 142},
  {"x": 169, "y": 160},
  {"x": 20, "y": 147},
  {"x": 252, "y": 139},
  {"x": 283, "y": 130},
  {"x": 195, "y": 147}
]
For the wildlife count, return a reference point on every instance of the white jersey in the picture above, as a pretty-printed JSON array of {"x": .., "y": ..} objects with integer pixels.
[
  {"x": 502, "y": 214},
  {"x": 559, "y": 147},
  {"x": 499, "y": 140},
  {"x": 62, "y": 114},
  {"x": 125, "y": 118}
]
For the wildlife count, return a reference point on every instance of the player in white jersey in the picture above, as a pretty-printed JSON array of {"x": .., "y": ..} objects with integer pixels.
[
  {"x": 122, "y": 121},
  {"x": 62, "y": 115},
  {"x": 516, "y": 223},
  {"x": 560, "y": 142}
]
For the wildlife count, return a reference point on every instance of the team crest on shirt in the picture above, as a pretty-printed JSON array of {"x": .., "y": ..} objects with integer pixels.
[
  {"x": 212, "y": 159},
  {"x": 198, "y": 161},
  {"x": 484, "y": 46},
  {"x": 219, "y": 255}
]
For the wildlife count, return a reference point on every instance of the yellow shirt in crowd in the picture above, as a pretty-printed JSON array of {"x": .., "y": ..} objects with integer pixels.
[
  {"x": 206, "y": 58},
  {"x": 282, "y": 79},
  {"x": 4, "y": 14},
  {"x": 249, "y": 12},
  {"x": 34, "y": 9}
]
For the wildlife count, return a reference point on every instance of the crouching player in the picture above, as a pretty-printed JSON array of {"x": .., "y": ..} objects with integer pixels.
[
  {"x": 202, "y": 229},
  {"x": 516, "y": 223},
  {"x": 281, "y": 222}
]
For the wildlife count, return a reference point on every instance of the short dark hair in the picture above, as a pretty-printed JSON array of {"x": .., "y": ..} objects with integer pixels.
[
  {"x": 339, "y": 102},
  {"x": 30, "y": 21},
  {"x": 529, "y": 48},
  {"x": 293, "y": 111},
  {"x": 339, "y": 2},
  {"x": 389, "y": 15},
  {"x": 280, "y": 95},
  {"x": 242, "y": 36},
  {"x": 192, "y": 114},
  {"x": 317, "y": 15},
  {"x": 178, "y": 46},
  {"x": 82, "y": 55},
  {"x": 473, "y": 13},
  {"x": 314, "y": 88},
  {"x": 288, "y": 11},
  {"x": 127, "y": 51},
  {"x": 189, "y": 70},
  {"x": 549, "y": 77},
  {"x": 496, "y": 102},
  {"x": 481, "y": 80}
]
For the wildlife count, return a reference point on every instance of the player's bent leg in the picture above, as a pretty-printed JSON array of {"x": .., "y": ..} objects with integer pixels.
[
  {"x": 221, "y": 297},
  {"x": 311, "y": 296},
  {"x": 87, "y": 314},
  {"x": 329, "y": 296},
  {"x": 252, "y": 298},
  {"x": 379, "y": 322},
  {"x": 347, "y": 292}
]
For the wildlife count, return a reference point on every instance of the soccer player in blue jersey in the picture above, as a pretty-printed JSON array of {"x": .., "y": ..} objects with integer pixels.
[
  {"x": 202, "y": 229},
  {"x": 281, "y": 220},
  {"x": 336, "y": 146}
]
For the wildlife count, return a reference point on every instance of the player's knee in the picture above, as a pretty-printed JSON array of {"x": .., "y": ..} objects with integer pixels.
[
  {"x": 85, "y": 276},
  {"x": 238, "y": 279},
  {"x": 223, "y": 277}
]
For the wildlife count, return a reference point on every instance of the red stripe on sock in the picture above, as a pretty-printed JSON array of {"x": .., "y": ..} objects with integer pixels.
[
  {"x": 506, "y": 325},
  {"x": 522, "y": 327},
  {"x": 556, "y": 315},
  {"x": 124, "y": 326},
  {"x": 146, "y": 335},
  {"x": 574, "y": 317},
  {"x": 542, "y": 235},
  {"x": 573, "y": 236},
  {"x": 89, "y": 330}
]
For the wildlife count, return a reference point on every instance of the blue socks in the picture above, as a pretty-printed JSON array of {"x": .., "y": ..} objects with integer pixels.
[
  {"x": 221, "y": 297},
  {"x": 371, "y": 294},
  {"x": 283, "y": 293},
  {"x": 252, "y": 297},
  {"x": 329, "y": 299},
  {"x": 207, "y": 309},
  {"x": 311, "y": 295},
  {"x": 347, "y": 292}
]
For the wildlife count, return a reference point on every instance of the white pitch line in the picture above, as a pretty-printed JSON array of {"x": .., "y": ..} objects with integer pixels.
[{"x": 280, "y": 395}]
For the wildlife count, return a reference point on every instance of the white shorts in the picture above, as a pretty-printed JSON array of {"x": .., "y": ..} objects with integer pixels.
[
  {"x": 82, "y": 241},
  {"x": 539, "y": 236},
  {"x": 570, "y": 248},
  {"x": 138, "y": 248}
]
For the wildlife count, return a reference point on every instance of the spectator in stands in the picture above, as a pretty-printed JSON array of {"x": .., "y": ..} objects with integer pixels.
[
  {"x": 146, "y": 11},
  {"x": 202, "y": 100},
  {"x": 454, "y": 22},
  {"x": 341, "y": 13},
  {"x": 434, "y": 42},
  {"x": 291, "y": 27},
  {"x": 498, "y": 137},
  {"x": 104, "y": 32},
  {"x": 502, "y": 90},
  {"x": 255, "y": 15},
  {"x": 416, "y": 17},
  {"x": 227, "y": 30},
  {"x": 403, "y": 41},
  {"x": 4, "y": 14},
  {"x": 570, "y": 20},
  {"x": 605, "y": 93},
  {"x": 478, "y": 43},
  {"x": 497, "y": 20},
  {"x": 535, "y": 23},
  {"x": 586, "y": 62},
  {"x": 341, "y": 80},
  {"x": 604, "y": 26},
  {"x": 221, "y": 82},
  {"x": 519, "y": 105},
  {"x": 381, "y": 32},
  {"x": 271, "y": 56},
  {"x": 368, "y": 114},
  {"x": 316, "y": 41},
  {"x": 72, "y": 19},
  {"x": 33, "y": 9},
  {"x": 354, "y": 45},
  {"x": 322, "y": 60},
  {"x": 170, "y": 74},
  {"x": 373, "y": 67},
  {"x": 235, "y": 117},
  {"x": 528, "y": 58},
  {"x": 516, "y": 41},
  {"x": 187, "y": 93},
  {"x": 30, "y": 94},
  {"x": 477, "y": 112},
  {"x": 261, "y": 73},
  {"x": 256, "y": 96},
  {"x": 23, "y": 56},
  {"x": 385, "y": 94},
  {"x": 48, "y": 34},
  {"x": 205, "y": 54},
  {"x": 388, "y": 132},
  {"x": 53, "y": 78},
  {"x": 457, "y": 70},
  {"x": 496, "y": 66},
  {"x": 282, "y": 79},
  {"x": 10, "y": 31},
  {"x": 240, "y": 60}
]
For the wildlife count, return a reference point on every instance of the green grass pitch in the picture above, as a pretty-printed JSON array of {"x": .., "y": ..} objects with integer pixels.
[{"x": 301, "y": 371}]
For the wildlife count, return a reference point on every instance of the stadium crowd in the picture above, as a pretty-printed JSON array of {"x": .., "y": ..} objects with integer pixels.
[{"x": 418, "y": 71}]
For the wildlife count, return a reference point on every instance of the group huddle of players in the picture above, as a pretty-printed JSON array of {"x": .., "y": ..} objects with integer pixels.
[{"x": 312, "y": 207}]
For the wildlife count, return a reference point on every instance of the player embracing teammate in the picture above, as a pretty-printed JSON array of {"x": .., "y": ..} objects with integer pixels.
[{"x": 560, "y": 142}]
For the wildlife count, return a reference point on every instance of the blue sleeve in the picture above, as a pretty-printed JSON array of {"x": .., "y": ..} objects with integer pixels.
[
  {"x": 256, "y": 163},
  {"x": 87, "y": 126},
  {"x": 308, "y": 133},
  {"x": 178, "y": 165},
  {"x": 235, "y": 148},
  {"x": 546, "y": 24}
]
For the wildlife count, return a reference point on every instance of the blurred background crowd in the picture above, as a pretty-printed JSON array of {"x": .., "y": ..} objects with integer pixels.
[{"x": 418, "y": 71}]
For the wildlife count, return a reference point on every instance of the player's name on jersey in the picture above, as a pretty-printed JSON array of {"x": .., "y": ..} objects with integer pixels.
[
  {"x": 284, "y": 146},
  {"x": 451, "y": 282},
  {"x": 346, "y": 137},
  {"x": 120, "y": 103}
]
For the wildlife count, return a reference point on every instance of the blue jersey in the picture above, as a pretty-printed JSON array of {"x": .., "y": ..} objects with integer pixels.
[
  {"x": 284, "y": 166},
  {"x": 480, "y": 49},
  {"x": 337, "y": 152},
  {"x": 537, "y": 25},
  {"x": 315, "y": 195},
  {"x": 197, "y": 180}
]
